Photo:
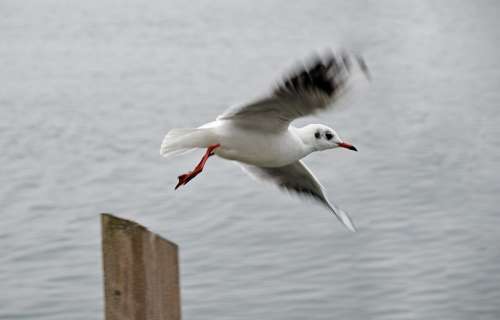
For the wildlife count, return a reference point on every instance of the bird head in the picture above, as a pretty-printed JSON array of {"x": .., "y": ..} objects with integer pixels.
[{"x": 321, "y": 137}]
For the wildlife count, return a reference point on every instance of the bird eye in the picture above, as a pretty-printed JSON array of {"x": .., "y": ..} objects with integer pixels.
[
  {"x": 328, "y": 136},
  {"x": 317, "y": 135}
]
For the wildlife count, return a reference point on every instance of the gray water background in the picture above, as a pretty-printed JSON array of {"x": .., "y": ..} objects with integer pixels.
[{"x": 89, "y": 88}]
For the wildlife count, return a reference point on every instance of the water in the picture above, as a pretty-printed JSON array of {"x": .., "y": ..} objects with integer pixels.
[{"x": 88, "y": 89}]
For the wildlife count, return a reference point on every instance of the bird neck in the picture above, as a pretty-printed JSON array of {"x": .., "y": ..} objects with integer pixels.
[{"x": 307, "y": 138}]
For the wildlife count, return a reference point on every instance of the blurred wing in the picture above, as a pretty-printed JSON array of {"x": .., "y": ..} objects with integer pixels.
[
  {"x": 297, "y": 178},
  {"x": 310, "y": 89}
]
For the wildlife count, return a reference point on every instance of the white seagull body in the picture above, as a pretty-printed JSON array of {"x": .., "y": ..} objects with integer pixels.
[
  {"x": 261, "y": 138},
  {"x": 255, "y": 147}
]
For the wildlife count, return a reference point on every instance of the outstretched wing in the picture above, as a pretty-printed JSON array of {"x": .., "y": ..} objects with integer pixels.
[
  {"x": 312, "y": 88},
  {"x": 297, "y": 178}
]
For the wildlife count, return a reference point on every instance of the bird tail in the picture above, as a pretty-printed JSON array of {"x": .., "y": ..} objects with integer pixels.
[{"x": 178, "y": 141}]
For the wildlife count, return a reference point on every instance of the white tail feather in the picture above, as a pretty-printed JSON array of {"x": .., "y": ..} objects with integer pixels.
[{"x": 178, "y": 141}]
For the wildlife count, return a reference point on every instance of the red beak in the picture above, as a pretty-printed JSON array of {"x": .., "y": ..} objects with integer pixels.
[{"x": 347, "y": 146}]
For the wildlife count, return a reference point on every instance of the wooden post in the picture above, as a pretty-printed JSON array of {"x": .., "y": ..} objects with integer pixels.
[{"x": 141, "y": 272}]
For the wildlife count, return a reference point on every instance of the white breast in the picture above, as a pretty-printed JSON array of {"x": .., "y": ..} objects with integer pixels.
[{"x": 256, "y": 147}]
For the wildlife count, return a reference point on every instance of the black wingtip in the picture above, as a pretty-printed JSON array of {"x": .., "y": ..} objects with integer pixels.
[
  {"x": 364, "y": 67},
  {"x": 326, "y": 73}
]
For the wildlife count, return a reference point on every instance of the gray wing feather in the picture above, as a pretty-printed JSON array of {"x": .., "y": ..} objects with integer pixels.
[
  {"x": 297, "y": 178},
  {"x": 310, "y": 89}
]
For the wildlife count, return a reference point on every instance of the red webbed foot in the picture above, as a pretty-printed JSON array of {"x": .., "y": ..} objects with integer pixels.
[{"x": 186, "y": 177}]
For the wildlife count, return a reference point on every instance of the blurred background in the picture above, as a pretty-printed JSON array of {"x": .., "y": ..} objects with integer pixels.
[{"x": 89, "y": 88}]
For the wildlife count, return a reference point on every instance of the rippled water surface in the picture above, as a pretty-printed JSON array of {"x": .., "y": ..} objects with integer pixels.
[{"x": 89, "y": 88}]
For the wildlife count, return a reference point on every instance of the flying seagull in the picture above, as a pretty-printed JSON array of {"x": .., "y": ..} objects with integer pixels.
[{"x": 259, "y": 135}]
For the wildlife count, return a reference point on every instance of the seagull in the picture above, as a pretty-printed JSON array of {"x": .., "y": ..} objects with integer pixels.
[{"x": 260, "y": 136}]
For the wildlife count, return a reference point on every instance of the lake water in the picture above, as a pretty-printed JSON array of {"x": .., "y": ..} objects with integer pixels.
[{"x": 89, "y": 88}]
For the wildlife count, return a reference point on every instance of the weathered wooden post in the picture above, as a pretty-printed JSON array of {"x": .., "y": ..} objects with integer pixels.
[{"x": 141, "y": 272}]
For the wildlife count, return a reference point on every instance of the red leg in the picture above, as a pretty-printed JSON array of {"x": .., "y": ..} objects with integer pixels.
[{"x": 186, "y": 177}]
